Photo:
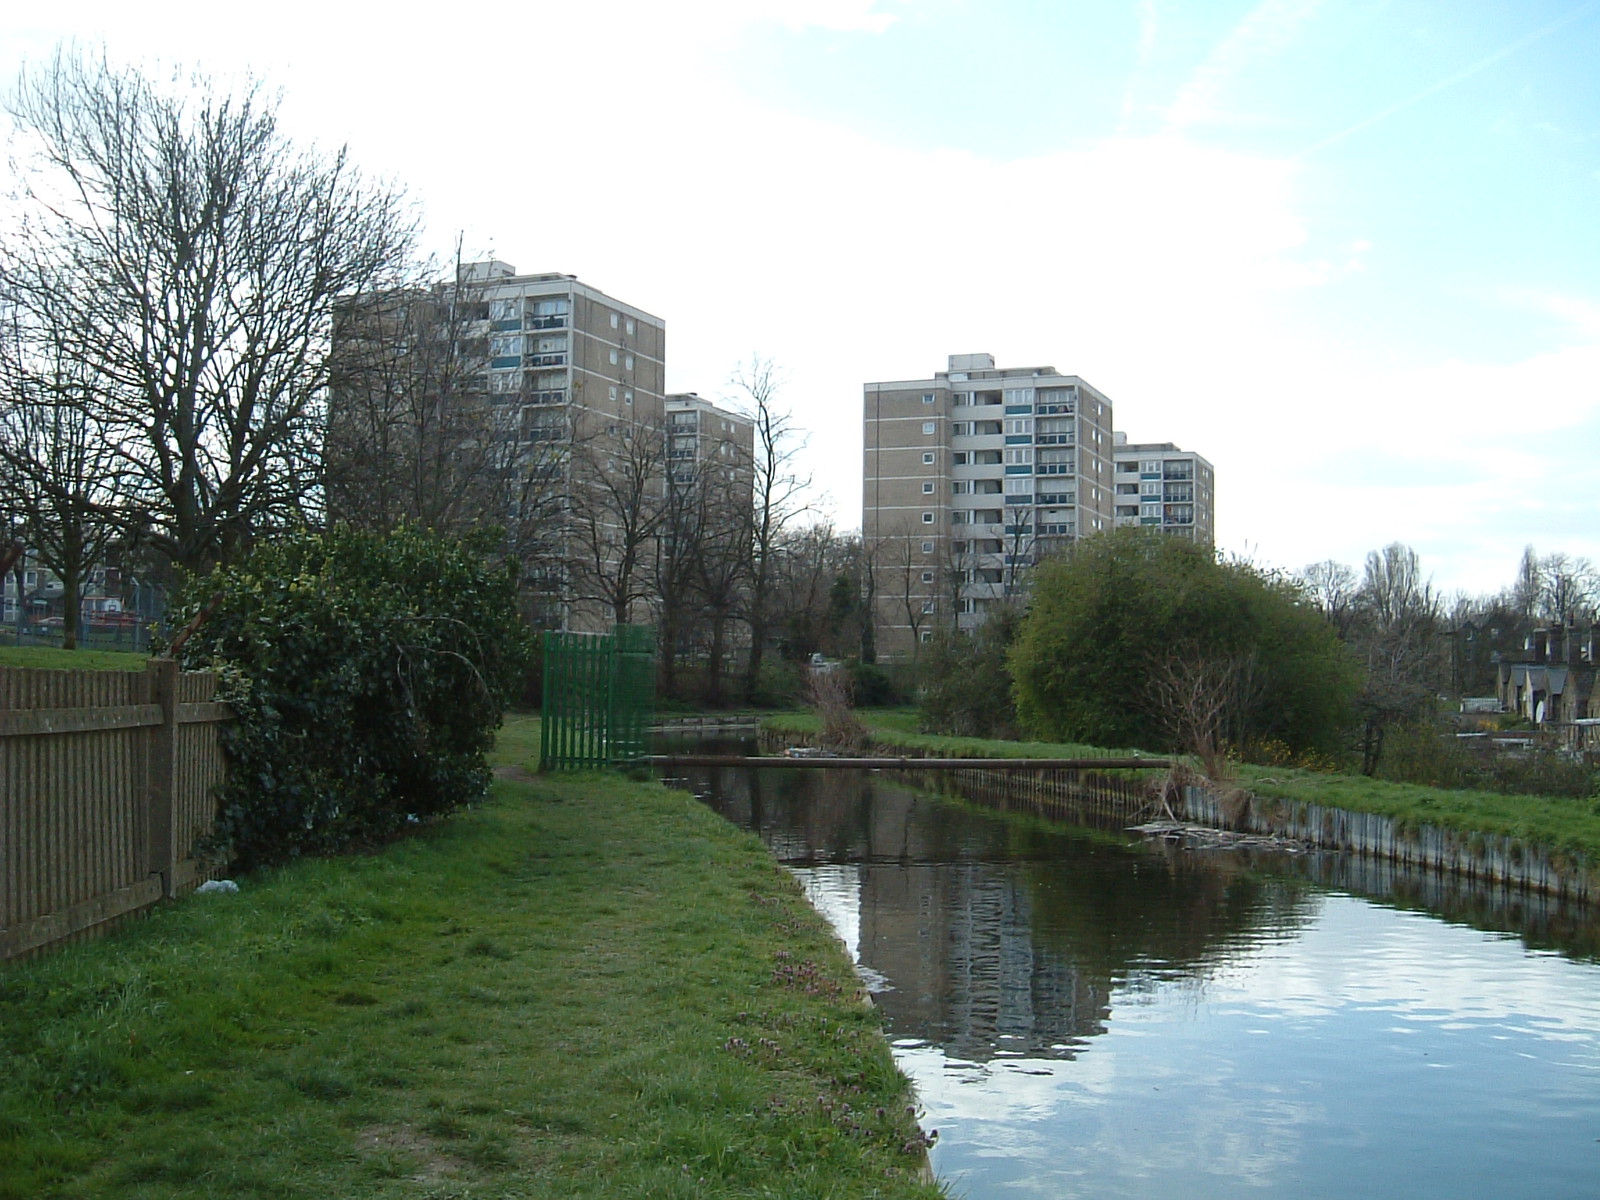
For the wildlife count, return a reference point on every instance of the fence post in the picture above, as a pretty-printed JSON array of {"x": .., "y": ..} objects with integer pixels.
[{"x": 162, "y": 674}]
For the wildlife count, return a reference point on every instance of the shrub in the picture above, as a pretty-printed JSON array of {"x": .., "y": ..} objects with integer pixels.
[
  {"x": 967, "y": 685},
  {"x": 368, "y": 674},
  {"x": 871, "y": 685},
  {"x": 1138, "y": 639}
]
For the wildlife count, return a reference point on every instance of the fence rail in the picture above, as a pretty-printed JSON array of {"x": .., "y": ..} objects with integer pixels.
[{"x": 107, "y": 782}]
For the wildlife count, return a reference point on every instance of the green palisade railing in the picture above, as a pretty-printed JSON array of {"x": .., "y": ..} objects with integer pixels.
[{"x": 599, "y": 690}]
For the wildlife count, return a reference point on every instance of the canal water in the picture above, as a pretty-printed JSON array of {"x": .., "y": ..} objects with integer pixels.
[{"x": 1086, "y": 1014}]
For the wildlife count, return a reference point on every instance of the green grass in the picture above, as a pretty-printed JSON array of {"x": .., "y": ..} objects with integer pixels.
[
  {"x": 66, "y": 660},
  {"x": 579, "y": 988},
  {"x": 896, "y": 728},
  {"x": 1567, "y": 826}
]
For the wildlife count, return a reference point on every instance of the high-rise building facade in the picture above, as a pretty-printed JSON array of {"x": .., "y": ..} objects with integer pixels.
[
  {"x": 531, "y": 402},
  {"x": 552, "y": 343},
  {"x": 705, "y": 442},
  {"x": 1159, "y": 486},
  {"x": 970, "y": 477}
]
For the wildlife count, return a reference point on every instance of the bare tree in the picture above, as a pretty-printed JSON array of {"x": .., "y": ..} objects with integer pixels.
[
  {"x": 412, "y": 434},
  {"x": 777, "y": 491},
  {"x": 1525, "y": 591},
  {"x": 1567, "y": 587},
  {"x": 1397, "y": 633},
  {"x": 618, "y": 501},
  {"x": 1203, "y": 702},
  {"x": 191, "y": 256},
  {"x": 902, "y": 584},
  {"x": 701, "y": 562},
  {"x": 1333, "y": 588},
  {"x": 1020, "y": 541},
  {"x": 57, "y": 466}
]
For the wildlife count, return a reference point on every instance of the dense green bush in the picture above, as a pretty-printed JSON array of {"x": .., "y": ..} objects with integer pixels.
[
  {"x": 368, "y": 674},
  {"x": 870, "y": 685},
  {"x": 1140, "y": 639},
  {"x": 966, "y": 682}
]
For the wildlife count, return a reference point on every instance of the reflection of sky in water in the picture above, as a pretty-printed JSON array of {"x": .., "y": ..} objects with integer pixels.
[{"x": 1369, "y": 1052}]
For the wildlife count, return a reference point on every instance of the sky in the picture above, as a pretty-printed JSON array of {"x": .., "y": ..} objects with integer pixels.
[{"x": 1348, "y": 250}]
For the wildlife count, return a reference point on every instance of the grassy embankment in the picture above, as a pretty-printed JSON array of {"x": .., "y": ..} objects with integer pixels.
[
  {"x": 54, "y": 659},
  {"x": 1569, "y": 826},
  {"x": 579, "y": 988}
]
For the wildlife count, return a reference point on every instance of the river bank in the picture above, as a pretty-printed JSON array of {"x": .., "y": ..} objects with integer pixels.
[
  {"x": 580, "y": 987},
  {"x": 1550, "y": 843}
]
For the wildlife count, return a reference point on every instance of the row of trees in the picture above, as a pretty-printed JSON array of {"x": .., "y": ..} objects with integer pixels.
[
  {"x": 1416, "y": 644},
  {"x": 177, "y": 284},
  {"x": 1132, "y": 639}
]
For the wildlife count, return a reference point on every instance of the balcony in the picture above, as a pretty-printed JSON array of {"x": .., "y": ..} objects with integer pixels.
[{"x": 554, "y": 322}]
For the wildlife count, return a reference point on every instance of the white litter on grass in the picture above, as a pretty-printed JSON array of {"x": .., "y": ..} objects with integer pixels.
[{"x": 212, "y": 886}]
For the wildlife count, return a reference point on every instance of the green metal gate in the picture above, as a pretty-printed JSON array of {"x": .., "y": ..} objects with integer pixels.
[{"x": 598, "y": 693}]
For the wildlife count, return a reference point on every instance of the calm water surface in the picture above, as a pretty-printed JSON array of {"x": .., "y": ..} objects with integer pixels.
[{"x": 1088, "y": 1016}]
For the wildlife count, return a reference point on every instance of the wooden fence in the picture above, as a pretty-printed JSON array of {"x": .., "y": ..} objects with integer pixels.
[{"x": 107, "y": 781}]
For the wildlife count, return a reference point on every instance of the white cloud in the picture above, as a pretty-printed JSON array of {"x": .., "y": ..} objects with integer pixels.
[
  {"x": 1164, "y": 271},
  {"x": 1265, "y": 31}
]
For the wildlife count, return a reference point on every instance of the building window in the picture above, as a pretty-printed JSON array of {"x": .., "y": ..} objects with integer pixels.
[
  {"x": 927, "y": 635},
  {"x": 613, "y": 357},
  {"x": 927, "y": 518},
  {"x": 960, "y": 488},
  {"x": 928, "y": 427},
  {"x": 927, "y": 577},
  {"x": 627, "y": 396},
  {"x": 927, "y": 397},
  {"x": 613, "y": 320},
  {"x": 960, "y": 458},
  {"x": 927, "y": 488},
  {"x": 629, "y": 324},
  {"x": 927, "y": 458},
  {"x": 927, "y": 606},
  {"x": 927, "y": 547},
  {"x": 627, "y": 361}
]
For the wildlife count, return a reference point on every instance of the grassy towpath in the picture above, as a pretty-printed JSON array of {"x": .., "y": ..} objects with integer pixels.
[
  {"x": 579, "y": 988},
  {"x": 1567, "y": 825}
]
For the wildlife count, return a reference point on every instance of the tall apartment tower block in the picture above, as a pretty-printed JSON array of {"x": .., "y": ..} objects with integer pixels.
[
  {"x": 555, "y": 344},
  {"x": 708, "y": 443},
  {"x": 970, "y": 477},
  {"x": 1162, "y": 487}
]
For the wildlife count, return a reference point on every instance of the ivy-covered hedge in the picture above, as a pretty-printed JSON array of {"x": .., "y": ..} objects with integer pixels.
[{"x": 368, "y": 673}]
